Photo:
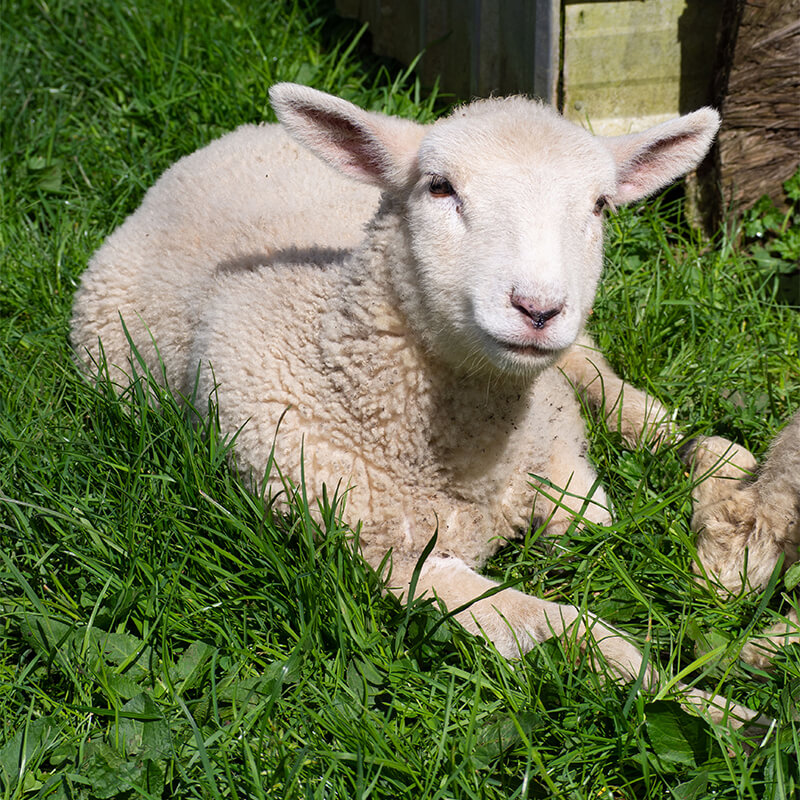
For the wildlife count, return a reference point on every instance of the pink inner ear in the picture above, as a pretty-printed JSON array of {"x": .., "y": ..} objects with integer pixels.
[
  {"x": 669, "y": 143},
  {"x": 656, "y": 165},
  {"x": 349, "y": 145},
  {"x": 629, "y": 192},
  {"x": 648, "y": 161}
]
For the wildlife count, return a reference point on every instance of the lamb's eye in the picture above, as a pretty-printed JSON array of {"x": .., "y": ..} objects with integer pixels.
[
  {"x": 441, "y": 187},
  {"x": 601, "y": 203}
]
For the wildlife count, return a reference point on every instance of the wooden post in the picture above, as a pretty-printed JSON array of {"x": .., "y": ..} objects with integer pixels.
[{"x": 757, "y": 89}]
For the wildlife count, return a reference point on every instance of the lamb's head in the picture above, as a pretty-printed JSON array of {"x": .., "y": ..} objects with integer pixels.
[{"x": 503, "y": 205}]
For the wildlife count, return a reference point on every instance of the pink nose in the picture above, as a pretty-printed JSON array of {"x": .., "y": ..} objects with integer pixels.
[{"x": 537, "y": 316}]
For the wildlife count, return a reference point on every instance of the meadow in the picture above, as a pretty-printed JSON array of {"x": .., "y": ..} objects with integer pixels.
[{"x": 163, "y": 633}]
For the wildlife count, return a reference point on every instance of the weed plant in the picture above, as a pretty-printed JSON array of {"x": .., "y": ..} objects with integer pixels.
[{"x": 166, "y": 634}]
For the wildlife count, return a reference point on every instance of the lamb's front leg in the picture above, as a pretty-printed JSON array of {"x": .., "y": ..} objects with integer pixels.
[
  {"x": 515, "y": 622},
  {"x": 636, "y": 415},
  {"x": 565, "y": 483}
]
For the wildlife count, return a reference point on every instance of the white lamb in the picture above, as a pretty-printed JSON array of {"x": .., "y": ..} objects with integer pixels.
[{"x": 421, "y": 368}]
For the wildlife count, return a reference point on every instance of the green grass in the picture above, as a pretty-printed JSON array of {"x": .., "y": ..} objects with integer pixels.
[{"x": 165, "y": 634}]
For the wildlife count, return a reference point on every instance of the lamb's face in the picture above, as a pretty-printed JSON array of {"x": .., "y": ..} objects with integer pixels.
[
  {"x": 506, "y": 224},
  {"x": 503, "y": 203}
]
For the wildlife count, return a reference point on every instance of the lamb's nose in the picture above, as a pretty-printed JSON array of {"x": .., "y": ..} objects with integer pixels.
[{"x": 538, "y": 316}]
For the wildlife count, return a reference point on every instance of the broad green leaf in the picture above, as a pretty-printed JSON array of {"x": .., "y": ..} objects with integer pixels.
[
  {"x": 109, "y": 773},
  {"x": 792, "y": 577},
  {"x": 695, "y": 789},
  {"x": 503, "y": 734},
  {"x": 69, "y": 644},
  {"x": 26, "y": 746},
  {"x": 676, "y": 737},
  {"x": 188, "y": 670},
  {"x": 142, "y": 729}
]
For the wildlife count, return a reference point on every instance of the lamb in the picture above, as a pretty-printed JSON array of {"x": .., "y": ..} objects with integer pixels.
[
  {"x": 745, "y": 525},
  {"x": 428, "y": 366}
]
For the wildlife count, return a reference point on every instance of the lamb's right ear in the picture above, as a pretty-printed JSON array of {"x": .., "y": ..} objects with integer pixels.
[{"x": 371, "y": 147}]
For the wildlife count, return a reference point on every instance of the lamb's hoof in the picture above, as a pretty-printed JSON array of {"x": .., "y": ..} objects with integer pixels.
[
  {"x": 762, "y": 648},
  {"x": 718, "y": 457},
  {"x": 686, "y": 450}
]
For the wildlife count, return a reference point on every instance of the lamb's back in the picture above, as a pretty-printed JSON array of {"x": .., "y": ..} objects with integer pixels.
[{"x": 238, "y": 201}]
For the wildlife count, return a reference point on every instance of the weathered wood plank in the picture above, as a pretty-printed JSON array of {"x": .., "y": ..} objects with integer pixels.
[
  {"x": 473, "y": 47},
  {"x": 634, "y": 63}
]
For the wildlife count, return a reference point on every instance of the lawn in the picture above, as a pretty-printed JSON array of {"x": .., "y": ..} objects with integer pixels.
[{"x": 166, "y": 634}]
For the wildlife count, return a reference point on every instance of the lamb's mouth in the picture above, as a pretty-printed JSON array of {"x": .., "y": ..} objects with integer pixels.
[
  {"x": 527, "y": 349},
  {"x": 516, "y": 355}
]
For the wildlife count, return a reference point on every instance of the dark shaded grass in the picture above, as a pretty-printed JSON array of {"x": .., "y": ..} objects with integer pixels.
[{"x": 166, "y": 634}]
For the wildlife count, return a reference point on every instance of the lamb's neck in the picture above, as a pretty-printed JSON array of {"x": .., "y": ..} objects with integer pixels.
[
  {"x": 381, "y": 272},
  {"x": 386, "y": 356}
]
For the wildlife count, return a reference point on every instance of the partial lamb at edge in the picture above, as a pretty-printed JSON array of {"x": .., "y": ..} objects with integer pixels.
[
  {"x": 424, "y": 368},
  {"x": 747, "y": 519}
]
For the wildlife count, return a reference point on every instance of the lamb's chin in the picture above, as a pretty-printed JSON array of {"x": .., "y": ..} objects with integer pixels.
[
  {"x": 529, "y": 364},
  {"x": 520, "y": 360}
]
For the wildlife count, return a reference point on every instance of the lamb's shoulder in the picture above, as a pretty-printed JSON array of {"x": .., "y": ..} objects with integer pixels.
[
  {"x": 257, "y": 339},
  {"x": 310, "y": 380}
]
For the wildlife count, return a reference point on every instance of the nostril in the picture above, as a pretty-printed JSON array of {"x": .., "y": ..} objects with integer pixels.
[
  {"x": 541, "y": 318},
  {"x": 538, "y": 316}
]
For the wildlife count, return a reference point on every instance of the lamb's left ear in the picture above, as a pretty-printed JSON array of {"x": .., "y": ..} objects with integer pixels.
[
  {"x": 650, "y": 160},
  {"x": 367, "y": 146}
]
